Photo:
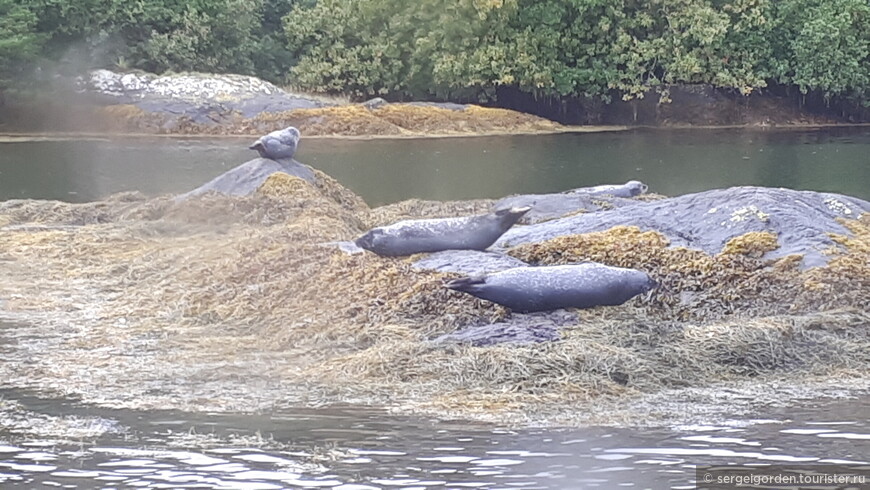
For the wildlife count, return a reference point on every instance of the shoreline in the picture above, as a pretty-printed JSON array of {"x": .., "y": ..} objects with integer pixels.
[{"x": 24, "y": 136}]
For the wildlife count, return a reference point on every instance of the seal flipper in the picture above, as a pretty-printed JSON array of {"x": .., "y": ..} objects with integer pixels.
[
  {"x": 261, "y": 149},
  {"x": 465, "y": 284}
]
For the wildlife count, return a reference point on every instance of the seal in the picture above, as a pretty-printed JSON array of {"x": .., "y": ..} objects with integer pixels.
[
  {"x": 584, "y": 285},
  {"x": 631, "y": 188},
  {"x": 434, "y": 235},
  {"x": 278, "y": 144}
]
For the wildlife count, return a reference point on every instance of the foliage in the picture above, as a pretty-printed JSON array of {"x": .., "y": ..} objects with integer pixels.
[
  {"x": 18, "y": 40},
  {"x": 461, "y": 49},
  {"x": 590, "y": 48},
  {"x": 240, "y": 36}
]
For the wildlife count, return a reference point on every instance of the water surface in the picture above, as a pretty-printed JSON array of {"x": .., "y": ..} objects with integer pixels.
[
  {"x": 358, "y": 448},
  {"x": 672, "y": 162}
]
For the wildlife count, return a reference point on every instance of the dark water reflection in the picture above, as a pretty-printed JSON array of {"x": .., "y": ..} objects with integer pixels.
[
  {"x": 367, "y": 449},
  {"x": 672, "y": 162}
]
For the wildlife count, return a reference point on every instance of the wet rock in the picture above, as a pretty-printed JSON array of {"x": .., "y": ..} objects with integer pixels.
[
  {"x": 583, "y": 199},
  {"x": 199, "y": 98},
  {"x": 470, "y": 262},
  {"x": 249, "y": 176},
  {"x": 347, "y": 247},
  {"x": 375, "y": 103},
  {"x": 518, "y": 329},
  {"x": 547, "y": 207},
  {"x": 707, "y": 220},
  {"x": 450, "y": 106}
]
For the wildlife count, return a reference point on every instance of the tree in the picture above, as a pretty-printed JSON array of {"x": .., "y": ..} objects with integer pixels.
[{"x": 19, "y": 43}]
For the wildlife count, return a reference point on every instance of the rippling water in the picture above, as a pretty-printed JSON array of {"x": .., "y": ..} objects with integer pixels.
[
  {"x": 58, "y": 443},
  {"x": 672, "y": 162},
  {"x": 357, "y": 448}
]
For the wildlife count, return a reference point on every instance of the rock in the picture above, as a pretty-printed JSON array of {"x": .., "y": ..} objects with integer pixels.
[
  {"x": 249, "y": 176},
  {"x": 518, "y": 329},
  {"x": 450, "y": 106},
  {"x": 583, "y": 199},
  {"x": 708, "y": 220},
  {"x": 547, "y": 207},
  {"x": 468, "y": 262},
  {"x": 375, "y": 103},
  {"x": 201, "y": 98}
]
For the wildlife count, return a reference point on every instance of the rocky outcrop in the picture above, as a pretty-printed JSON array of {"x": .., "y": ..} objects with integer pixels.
[
  {"x": 469, "y": 262},
  {"x": 249, "y": 176},
  {"x": 236, "y": 104},
  {"x": 198, "y": 98},
  {"x": 801, "y": 220}
]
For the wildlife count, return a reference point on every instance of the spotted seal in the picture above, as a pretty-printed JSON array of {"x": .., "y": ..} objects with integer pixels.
[
  {"x": 278, "y": 144},
  {"x": 631, "y": 188},
  {"x": 584, "y": 285},
  {"x": 434, "y": 235}
]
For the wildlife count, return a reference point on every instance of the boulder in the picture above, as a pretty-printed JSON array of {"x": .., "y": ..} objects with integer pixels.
[
  {"x": 707, "y": 220},
  {"x": 249, "y": 176},
  {"x": 201, "y": 98},
  {"x": 468, "y": 262}
]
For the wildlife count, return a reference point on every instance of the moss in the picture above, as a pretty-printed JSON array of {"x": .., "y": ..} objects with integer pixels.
[
  {"x": 694, "y": 286},
  {"x": 753, "y": 244},
  {"x": 281, "y": 185},
  {"x": 344, "y": 120}
]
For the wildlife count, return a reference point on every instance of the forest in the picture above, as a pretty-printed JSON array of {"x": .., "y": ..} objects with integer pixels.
[{"x": 458, "y": 50}]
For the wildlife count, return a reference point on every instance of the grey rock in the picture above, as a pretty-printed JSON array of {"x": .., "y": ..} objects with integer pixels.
[
  {"x": 450, "y": 106},
  {"x": 518, "y": 329},
  {"x": 547, "y": 207},
  {"x": 469, "y": 262},
  {"x": 707, "y": 220},
  {"x": 249, "y": 176},
  {"x": 375, "y": 103},
  {"x": 551, "y": 206},
  {"x": 201, "y": 98}
]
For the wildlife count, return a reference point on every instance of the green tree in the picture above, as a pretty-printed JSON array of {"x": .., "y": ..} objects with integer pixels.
[
  {"x": 19, "y": 42},
  {"x": 824, "y": 46}
]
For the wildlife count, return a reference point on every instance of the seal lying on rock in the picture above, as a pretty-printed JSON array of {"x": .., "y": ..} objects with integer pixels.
[
  {"x": 631, "y": 188},
  {"x": 278, "y": 144},
  {"x": 527, "y": 289},
  {"x": 434, "y": 235}
]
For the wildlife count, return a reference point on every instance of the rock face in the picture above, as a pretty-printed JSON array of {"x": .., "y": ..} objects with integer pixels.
[
  {"x": 201, "y": 98},
  {"x": 249, "y": 176},
  {"x": 708, "y": 220},
  {"x": 468, "y": 262},
  {"x": 518, "y": 329},
  {"x": 584, "y": 199}
]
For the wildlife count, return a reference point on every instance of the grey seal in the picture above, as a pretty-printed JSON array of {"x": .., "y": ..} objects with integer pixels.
[
  {"x": 278, "y": 144},
  {"x": 631, "y": 188},
  {"x": 584, "y": 285},
  {"x": 434, "y": 235}
]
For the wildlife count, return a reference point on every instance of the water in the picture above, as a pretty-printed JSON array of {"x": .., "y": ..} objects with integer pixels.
[
  {"x": 59, "y": 443},
  {"x": 357, "y": 448},
  {"x": 672, "y": 162}
]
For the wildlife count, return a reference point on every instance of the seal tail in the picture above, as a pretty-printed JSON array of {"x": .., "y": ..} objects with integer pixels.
[
  {"x": 515, "y": 211},
  {"x": 465, "y": 284}
]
